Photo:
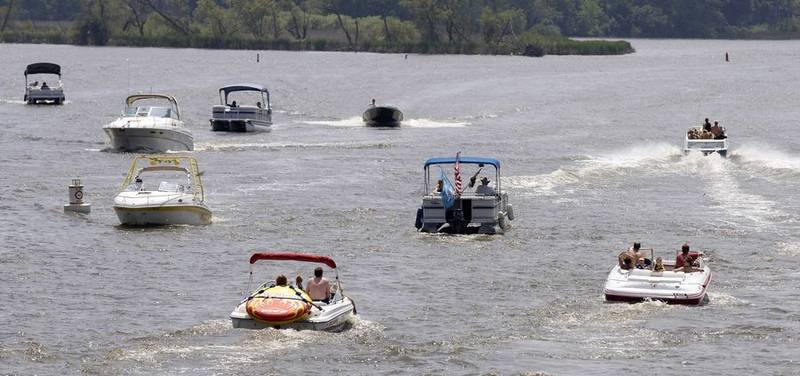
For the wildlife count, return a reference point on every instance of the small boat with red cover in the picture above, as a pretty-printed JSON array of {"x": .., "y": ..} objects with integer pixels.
[{"x": 273, "y": 306}]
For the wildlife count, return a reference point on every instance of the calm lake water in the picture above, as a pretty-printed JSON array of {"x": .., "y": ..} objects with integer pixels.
[{"x": 591, "y": 152}]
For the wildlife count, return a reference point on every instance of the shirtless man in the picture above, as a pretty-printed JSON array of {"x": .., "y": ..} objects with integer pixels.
[{"x": 318, "y": 288}]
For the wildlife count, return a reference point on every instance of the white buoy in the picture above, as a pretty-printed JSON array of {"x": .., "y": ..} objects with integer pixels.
[{"x": 76, "y": 203}]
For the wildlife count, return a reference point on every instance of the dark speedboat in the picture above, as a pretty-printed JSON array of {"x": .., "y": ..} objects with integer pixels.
[{"x": 382, "y": 116}]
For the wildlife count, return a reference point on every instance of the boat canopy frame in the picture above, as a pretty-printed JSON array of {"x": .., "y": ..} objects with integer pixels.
[
  {"x": 131, "y": 99},
  {"x": 43, "y": 68},
  {"x": 480, "y": 161},
  {"x": 226, "y": 90},
  {"x": 167, "y": 163},
  {"x": 295, "y": 256}
]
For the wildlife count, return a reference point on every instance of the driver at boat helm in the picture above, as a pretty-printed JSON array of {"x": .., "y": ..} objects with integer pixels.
[
  {"x": 484, "y": 188},
  {"x": 318, "y": 288}
]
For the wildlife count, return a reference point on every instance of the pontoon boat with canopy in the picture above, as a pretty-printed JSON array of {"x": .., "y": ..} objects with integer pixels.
[
  {"x": 40, "y": 92},
  {"x": 150, "y": 128},
  {"x": 668, "y": 285},
  {"x": 235, "y": 117},
  {"x": 485, "y": 210},
  {"x": 271, "y": 306},
  {"x": 162, "y": 190}
]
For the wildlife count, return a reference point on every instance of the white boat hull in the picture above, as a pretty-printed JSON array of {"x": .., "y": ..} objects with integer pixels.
[
  {"x": 163, "y": 215},
  {"x": 149, "y": 139},
  {"x": 668, "y": 286},
  {"x": 333, "y": 317}
]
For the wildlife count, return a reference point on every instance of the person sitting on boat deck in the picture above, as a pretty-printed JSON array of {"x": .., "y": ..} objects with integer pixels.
[
  {"x": 35, "y": 83},
  {"x": 318, "y": 288},
  {"x": 258, "y": 104},
  {"x": 707, "y": 126},
  {"x": 659, "y": 267},
  {"x": 683, "y": 258},
  {"x": 234, "y": 105},
  {"x": 298, "y": 282},
  {"x": 642, "y": 262},
  {"x": 625, "y": 261},
  {"x": 44, "y": 86},
  {"x": 281, "y": 280},
  {"x": 439, "y": 187},
  {"x": 484, "y": 188}
]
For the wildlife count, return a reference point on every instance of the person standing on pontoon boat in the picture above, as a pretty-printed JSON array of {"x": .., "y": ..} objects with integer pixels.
[
  {"x": 484, "y": 188},
  {"x": 318, "y": 288},
  {"x": 707, "y": 126}
]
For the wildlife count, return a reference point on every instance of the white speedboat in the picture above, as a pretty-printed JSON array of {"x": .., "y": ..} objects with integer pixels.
[
  {"x": 670, "y": 285},
  {"x": 483, "y": 209},
  {"x": 700, "y": 140},
  {"x": 166, "y": 191},
  {"x": 41, "y": 92},
  {"x": 150, "y": 128},
  {"x": 230, "y": 116},
  {"x": 271, "y": 306}
]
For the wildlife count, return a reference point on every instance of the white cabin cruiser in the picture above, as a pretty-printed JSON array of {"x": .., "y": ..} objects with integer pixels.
[
  {"x": 705, "y": 141},
  {"x": 485, "y": 210},
  {"x": 166, "y": 191},
  {"x": 669, "y": 285},
  {"x": 230, "y": 116},
  {"x": 289, "y": 307},
  {"x": 150, "y": 128},
  {"x": 40, "y": 92}
]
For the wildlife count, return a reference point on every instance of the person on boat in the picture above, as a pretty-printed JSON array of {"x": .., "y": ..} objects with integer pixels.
[
  {"x": 44, "y": 86},
  {"x": 281, "y": 280},
  {"x": 439, "y": 187},
  {"x": 473, "y": 178},
  {"x": 659, "y": 267},
  {"x": 298, "y": 282},
  {"x": 642, "y": 262},
  {"x": 318, "y": 288},
  {"x": 373, "y": 102},
  {"x": 707, "y": 126},
  {"x": 484, "y": 188},
  {"x": 258, "y": 104},
  {"x": 234, "y": 105},
  {"x": 138, "y": 184},
  {"x": 717, "y": 131},
  {"x": 35, "y": 83},
  {"x": 683, "y": 258},
  {"x": 625, "y": 260}
]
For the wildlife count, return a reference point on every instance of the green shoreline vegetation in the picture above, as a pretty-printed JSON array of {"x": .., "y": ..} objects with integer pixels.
[{"x": 517, "y": 27}]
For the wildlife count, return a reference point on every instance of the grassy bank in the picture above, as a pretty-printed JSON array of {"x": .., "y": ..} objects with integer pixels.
[{"x": 526, "y": 44}]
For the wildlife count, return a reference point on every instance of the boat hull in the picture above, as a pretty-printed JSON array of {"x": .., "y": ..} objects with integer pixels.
[
  {"x": 382, "y": 117},
  {"x": 668, "y": 286},
  {"x": 54, "y": 96},
  {"x": 240, "y": 126},
  {"x": 333, "y": 317},
  {"x": 156, "y": 140},
  {"x": 163, "y": 215},
  {"x": 471, "y": 214}
]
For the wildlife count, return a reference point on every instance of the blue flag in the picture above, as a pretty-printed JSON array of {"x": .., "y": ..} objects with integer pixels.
[{"x": 448, "y": 193}]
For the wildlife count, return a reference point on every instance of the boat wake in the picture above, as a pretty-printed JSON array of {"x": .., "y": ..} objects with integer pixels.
[
  {"x": 654, "y": 157},
  {"x": 356, "y": 121},
  {"x": 757, "y": 158},
  {"x": 291, "y": 145},
  {"x": 724, "y": 189}
]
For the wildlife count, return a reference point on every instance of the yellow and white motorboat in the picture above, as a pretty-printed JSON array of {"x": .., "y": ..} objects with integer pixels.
[{"x": 166, "y": 191}]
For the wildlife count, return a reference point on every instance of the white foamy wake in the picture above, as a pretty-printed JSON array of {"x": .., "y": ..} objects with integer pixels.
[
  {"x": 289, "y": 145},
  {"x": 12, "y": 101},
  {"x": 428, "y": 123},
  {"x": 655, "y": 157},
  {"x": 756, "y": 157},
  {"x": 724, "y": 189},
  {"x": 357, "y": 121}
]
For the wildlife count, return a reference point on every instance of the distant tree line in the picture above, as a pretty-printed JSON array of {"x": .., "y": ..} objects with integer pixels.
[{"x": 440, "y": 25}]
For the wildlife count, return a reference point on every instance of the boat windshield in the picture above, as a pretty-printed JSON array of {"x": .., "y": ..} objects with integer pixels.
[
  {"x": 168, "y": 186},
  {"x": 142, "y": 111}
]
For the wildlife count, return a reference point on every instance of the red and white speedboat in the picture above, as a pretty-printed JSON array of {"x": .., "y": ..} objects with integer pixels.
[
  {"x": 669, "y": 285},
  {"x": 280, "y": 307}
]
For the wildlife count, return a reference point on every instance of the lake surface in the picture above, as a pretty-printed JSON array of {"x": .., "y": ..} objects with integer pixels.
[{"x": 591, "y": 153}]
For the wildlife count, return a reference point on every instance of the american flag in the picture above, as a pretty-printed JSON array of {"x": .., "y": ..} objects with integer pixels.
[{"x": 457, "y": 174}]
